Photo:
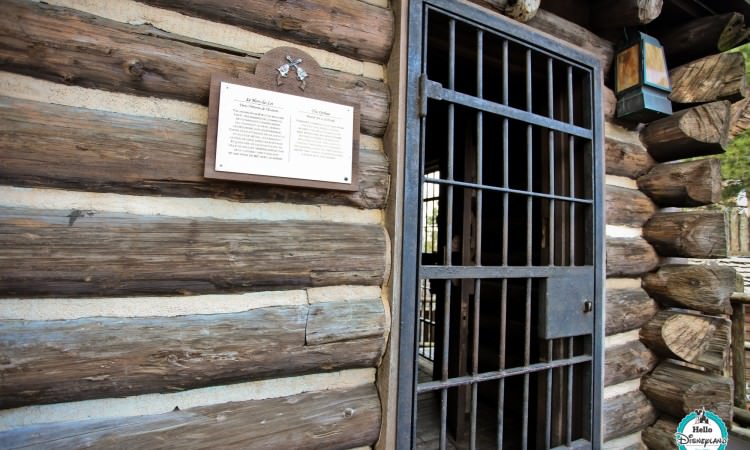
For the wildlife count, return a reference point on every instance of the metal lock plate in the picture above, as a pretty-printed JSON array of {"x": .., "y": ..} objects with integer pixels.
[{"x": 567, "y": 303}]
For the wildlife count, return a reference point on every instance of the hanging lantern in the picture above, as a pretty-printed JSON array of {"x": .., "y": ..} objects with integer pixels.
[{"x": 642, "y": 80}]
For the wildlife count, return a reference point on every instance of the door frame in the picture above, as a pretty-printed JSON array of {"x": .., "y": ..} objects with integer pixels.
[{"x": 406, "y": 404}]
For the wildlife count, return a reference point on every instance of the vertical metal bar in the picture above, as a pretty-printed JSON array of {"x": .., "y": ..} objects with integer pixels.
[
  {"x": 526, "y": 362},
  {"x": 478, "y": 246},
  {"x": 449, "y": 235},
  {"x": 529, "y": 164},
  {"x": 503, "y": 344},
  {"x": 569, "y": 404},
  {"x": 548, "y": 401},
  {"x": 571, "y": 174},
  {"x": 551, "y": 157},
  {"x": 506, "y": 158}
]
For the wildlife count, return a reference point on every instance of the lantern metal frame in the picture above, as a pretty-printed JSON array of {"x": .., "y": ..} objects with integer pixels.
[{"x": 643, "y": 100}]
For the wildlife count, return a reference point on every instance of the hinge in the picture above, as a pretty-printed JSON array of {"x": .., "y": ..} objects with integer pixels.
[{"x": 428, "y": 89}]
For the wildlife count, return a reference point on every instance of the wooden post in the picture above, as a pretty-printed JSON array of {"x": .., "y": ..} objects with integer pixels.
[
  {"x": 691, "y": 183},
  {"x": 715, "y": 77},
  {"x": 738, "y": 349},
  {"x": 704, "y": 36},
  {"x": 679, "y": 390},
  {"x": 700, "y": 287},
  {"x": 625, "y": 13},
  {"x": 628, "y": 309},
  {"x": 692, "y": 234},
  {"x": 695, "y": 338},
  {"x": 698, "y": 131}
]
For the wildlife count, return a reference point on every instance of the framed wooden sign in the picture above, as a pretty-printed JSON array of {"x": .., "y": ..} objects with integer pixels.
[{"x": 281, "y": 126}]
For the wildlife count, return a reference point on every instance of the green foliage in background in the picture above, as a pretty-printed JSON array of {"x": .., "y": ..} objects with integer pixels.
[{"x": 735, "y": 163}]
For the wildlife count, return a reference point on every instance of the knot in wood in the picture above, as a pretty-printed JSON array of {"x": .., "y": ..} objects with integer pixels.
[
  {"x": 348, "y": 412},
  {"x": 136, "y": 69}
]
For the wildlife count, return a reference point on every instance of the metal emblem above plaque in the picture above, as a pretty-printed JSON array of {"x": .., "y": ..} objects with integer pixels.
[{"x": 282, "y": 126}]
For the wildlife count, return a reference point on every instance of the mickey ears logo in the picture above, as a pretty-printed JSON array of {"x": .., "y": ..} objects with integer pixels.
[{"x": 701, "y": 429}]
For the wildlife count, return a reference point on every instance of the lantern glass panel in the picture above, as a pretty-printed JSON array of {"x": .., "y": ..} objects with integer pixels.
[
  {"x": 656, "y": 66},
  {"x": 628, "y": 69}
]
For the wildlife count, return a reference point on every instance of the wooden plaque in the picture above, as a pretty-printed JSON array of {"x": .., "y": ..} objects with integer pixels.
[{"x": 282, "y": 126}]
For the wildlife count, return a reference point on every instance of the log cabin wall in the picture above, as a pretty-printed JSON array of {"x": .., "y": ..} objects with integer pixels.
[{"x": 141, "y": 303}]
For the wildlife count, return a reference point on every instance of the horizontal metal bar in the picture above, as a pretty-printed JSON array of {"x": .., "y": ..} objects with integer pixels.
[
  {"x": 488, "y": 272},
  {"x": 436, "y": 91},
  {"x": 500, "y": 374},
  {"x": 507, "y": 190}
]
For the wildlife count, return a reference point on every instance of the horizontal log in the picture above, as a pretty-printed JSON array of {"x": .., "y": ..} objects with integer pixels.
[
  {"x": 660, "y": 435},
  {"x": 72, "y": 47},
  {"x": 575, "y": 34},
  {"x": 716, "y": 77},
  {"x": 703, "y": 36},
  {"x": 88, "y": 253},
  {"x": 694, "y": 338},
  {"x": 691, "y": 183},
  {"x": 679, "y": 390},
  {"x": 740, "y": 118},
  {"x": 626, "y": 159},
  {"x": 628, "y": 207},
  {"x": 47, "y": 145},
  {"x": 626, "y": 362},
  {"x": 697, "y": 131},
  {"x": 336, "y": 418},
  {"x": 110, "y": 357},
  {"x": 626, "y": 414},
  {"x": 624, "y": 13},
  {"x": 740, "y": 297},
  {"x": 704, "y": 288},
  {"x": 741, "y": 416},
  {"x": 630, "y": 257},
  {"x": 349, "y": 27},
  {"x": 627, "y": 309},
  {"x": 690, "y": 234}
]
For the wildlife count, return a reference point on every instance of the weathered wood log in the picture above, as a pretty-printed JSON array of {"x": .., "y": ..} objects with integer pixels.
[
  {"x": 628, "y": 207},
  {"x": 108, "y": 357},
  {"x": 694, "y": 338},
  {"x": 716, "y": 77},
  {"x": 692, "y": 234},
  {"x": 625, "y": 13},
  {"x": 691, "y": 183},
  {"x": 74, "y": 253},
  {"x": 740, "y": 120},
  {"x": 626, "y": 159},
  {"x": 574, "y": 34},
  {"x": 626, "y": 414},
  {"x": 698, "y": 131},
  {"x": 83, "y": 149},
  {"x": 73, "y": 47},
  {"x": 352, "y": 28},
  {"x": 522, "y": 10},
  {"x": 700, "y": 287},
  {"x": 741, "y": 416},
  {"x": 630, "y": 257},
  {"x": 609, "y": 103},
  {"x": 336, "y": 418},
  {"x": 703, "y": 36},
  {"x": 660, "y": 435},
  {"x": 627, "y": 362},
  {"x": 679, "y": 390},
  {"x": 628, "y": 309}
]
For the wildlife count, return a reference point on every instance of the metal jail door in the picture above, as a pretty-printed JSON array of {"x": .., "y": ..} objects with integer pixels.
[{"x": 502, "y": 324}]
